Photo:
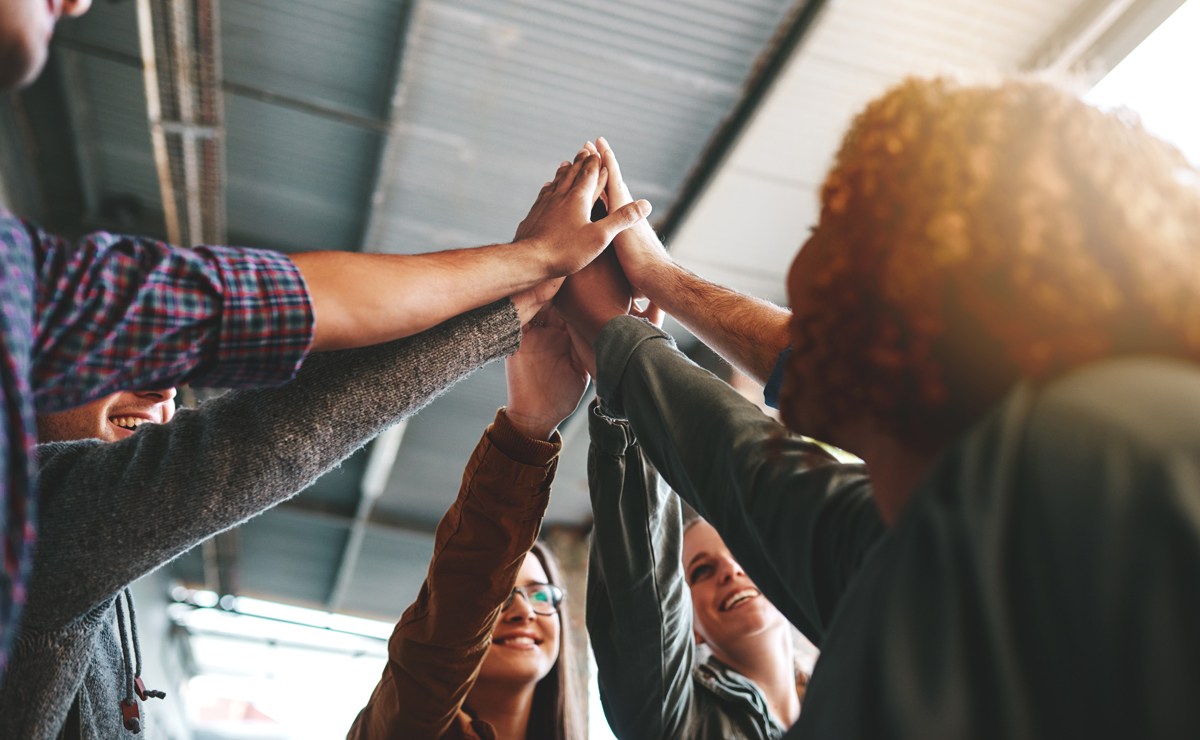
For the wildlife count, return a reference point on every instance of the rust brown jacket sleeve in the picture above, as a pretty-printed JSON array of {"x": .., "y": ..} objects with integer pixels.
[{"x": 437, "y": 648}]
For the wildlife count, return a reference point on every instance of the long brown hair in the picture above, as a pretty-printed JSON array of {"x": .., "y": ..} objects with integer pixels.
[{"x": 557, "y": 712}]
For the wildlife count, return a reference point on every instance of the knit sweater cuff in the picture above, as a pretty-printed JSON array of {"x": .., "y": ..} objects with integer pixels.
[{"x": 518, "y": 447}]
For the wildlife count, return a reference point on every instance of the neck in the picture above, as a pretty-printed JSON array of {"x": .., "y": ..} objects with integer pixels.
[
  {"x": 505, "y": 706},
  {"x": 766, "y": 659},
  {"x": 896, "y": 469}
]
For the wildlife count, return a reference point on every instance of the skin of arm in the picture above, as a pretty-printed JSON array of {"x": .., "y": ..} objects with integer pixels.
[
  {"x": 748, "y": 332},
  {"x": 362, "y": 299}
]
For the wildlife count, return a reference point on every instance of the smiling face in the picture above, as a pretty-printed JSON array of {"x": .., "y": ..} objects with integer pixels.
[
  {"x": 25, "y": 30},
  {"x": 524, "y": 645},
  {"x": 726, "y": 606},
  {"x": 111, "y": 418}
]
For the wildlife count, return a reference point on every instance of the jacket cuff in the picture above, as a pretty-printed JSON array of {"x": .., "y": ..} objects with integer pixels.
[
  {"x": 608, "y": 434},
  {"x": 267, "y": 319},
  {"x": 614, "y": 347},
  {"x": 521, "y": 449}
]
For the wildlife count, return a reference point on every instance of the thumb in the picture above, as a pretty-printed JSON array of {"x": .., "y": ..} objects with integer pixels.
[{"x": 624, "y": 217}]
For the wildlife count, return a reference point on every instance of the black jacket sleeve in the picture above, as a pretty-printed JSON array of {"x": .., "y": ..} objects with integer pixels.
[{"x": 797, "y": 520}]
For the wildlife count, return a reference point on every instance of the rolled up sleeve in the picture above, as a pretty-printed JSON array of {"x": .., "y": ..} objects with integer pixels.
[{"x": 123, "y": 313}]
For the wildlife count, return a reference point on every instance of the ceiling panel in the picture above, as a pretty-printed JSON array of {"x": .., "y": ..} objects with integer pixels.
[
  {"x": 857, "y": 49},
  {"x": 337, "y": 53},
  {"x": 495, "y": 94}
]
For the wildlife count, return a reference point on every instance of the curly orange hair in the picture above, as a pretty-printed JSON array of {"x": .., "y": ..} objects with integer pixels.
[{"x": 974, "y": 235}]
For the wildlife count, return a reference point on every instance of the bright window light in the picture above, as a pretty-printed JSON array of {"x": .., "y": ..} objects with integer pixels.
[{"x": 1160, "y": 79}]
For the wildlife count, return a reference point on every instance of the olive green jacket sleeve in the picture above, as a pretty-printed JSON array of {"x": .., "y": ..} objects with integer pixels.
[
  {"x": 639, "y": 614},
  {"x": 798, "y": 521},
  {"x": 438, "y": 646}
]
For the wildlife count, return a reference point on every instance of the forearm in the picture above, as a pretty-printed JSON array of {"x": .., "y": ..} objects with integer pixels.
[
  {"x": 747, "y": 331},
  {"x": 363, "y": 299},
  {"x": 170, "y": 486},
  {"x": 638, "y": 610},
  {"x": 442, "y": 638}
]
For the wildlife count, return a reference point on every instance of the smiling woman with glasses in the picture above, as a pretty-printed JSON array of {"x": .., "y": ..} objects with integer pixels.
[{"x": 480, "y": 654}]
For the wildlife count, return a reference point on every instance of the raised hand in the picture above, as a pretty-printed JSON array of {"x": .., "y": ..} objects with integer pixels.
[
  {"x": 559, "y": 226},
  {"x": 638, "y": 248},
  {"x": 531, "y": 302},
  {"x": 595, "y": 294},
  {"x": 546, "y": 379}
]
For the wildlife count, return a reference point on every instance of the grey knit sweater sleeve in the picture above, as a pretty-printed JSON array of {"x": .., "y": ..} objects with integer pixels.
[{"x": 113, "y": 512}]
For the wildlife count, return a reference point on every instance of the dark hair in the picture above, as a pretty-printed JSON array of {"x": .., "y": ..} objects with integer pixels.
[{"x": 557, "y": 712}]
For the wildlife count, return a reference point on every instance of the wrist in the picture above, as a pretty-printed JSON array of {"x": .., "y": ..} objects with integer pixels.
[
  {"x": 541, "y": 257},
  {"x": 646, "y": 264},
  {"x": 593, "y": 323},
  {"x": 531, "y": 425}
]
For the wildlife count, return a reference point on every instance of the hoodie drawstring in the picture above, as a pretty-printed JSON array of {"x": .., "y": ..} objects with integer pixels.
[{"x": 130, "y": 713}]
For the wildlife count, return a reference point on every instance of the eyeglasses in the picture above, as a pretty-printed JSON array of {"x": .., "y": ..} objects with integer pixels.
[{"x": 543, "y": 598}]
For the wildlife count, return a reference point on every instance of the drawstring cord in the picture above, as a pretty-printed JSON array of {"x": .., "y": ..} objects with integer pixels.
[
  {"x": 125, "y": 647},
  {"x": 133, "y": 675}
]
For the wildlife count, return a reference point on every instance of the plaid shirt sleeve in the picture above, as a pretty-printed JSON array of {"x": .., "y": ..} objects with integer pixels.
[{"x": 123, "y": 313}]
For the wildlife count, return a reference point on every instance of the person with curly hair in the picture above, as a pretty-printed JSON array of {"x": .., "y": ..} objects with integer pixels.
[{"x": 998, "y": 313}]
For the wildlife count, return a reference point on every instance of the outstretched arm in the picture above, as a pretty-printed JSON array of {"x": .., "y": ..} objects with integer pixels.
[
  {"x": 152, "y": 496},
  {"x": 442, "y": 639},
  {"x": 362, "y": 299},
  {"x": 747, "y": 331},
  {"x": 796, "y": 519}
]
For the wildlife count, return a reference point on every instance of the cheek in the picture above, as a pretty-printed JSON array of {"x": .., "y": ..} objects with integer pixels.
[{"x": 553, "y": 637}]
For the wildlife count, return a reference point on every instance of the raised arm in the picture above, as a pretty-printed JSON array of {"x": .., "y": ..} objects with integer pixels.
[
  {"x": 798, "y": 521},
  {"x": 639, "y": 615},
  {"x": 156, "y": 494},
  {"x": 442, "y": 639},
  {"x": 125, "y": 313},
  {"x": 366, "y": 298},
  {"x": 747, "y": 331}
]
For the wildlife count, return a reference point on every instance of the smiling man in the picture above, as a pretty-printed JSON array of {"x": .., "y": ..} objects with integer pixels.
[{"x": 116, "y": 416}]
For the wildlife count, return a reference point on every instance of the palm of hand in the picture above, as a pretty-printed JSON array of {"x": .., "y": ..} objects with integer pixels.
[{"x": 545, "y": 380}]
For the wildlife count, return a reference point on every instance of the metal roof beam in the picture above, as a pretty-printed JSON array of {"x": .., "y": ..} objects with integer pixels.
[
  {"x": 321, "y": 110},
  {"x": 1080, "y": 46},
  {"x": 181, "y": 64},
  {"x": 387, "y": 163},
  {"x": 769, "y": 66}
]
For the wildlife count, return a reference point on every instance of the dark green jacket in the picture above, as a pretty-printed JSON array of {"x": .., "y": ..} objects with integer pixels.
[
  {"x": 639, "y": 612},
  {"x": 1044, "y": 581}
]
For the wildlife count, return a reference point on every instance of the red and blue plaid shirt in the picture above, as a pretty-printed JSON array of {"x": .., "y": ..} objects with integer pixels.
[{"x": 109, "y": 313}]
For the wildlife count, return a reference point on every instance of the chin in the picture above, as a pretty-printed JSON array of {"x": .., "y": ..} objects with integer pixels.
[{"x": 514, "y": 669}]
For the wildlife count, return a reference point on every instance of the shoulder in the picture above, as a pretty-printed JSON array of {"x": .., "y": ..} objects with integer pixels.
[
  {"x": 1115, "y": 434},
  {"x": 1152, "y": 402}
]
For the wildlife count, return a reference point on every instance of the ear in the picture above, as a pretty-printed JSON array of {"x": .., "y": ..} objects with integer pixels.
[{"x": 699, "y": 639}]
